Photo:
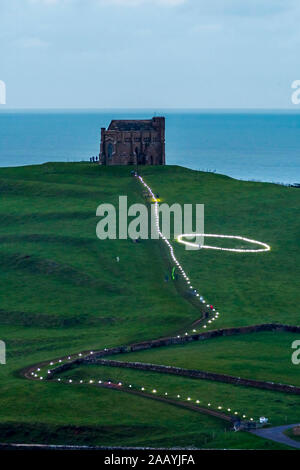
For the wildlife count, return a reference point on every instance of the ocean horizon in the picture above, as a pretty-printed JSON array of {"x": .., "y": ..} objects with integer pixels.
[{"x": 259, "y": 145}]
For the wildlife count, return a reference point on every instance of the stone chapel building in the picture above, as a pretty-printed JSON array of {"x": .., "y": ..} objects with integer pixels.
[{"x": 133, "y": 142}]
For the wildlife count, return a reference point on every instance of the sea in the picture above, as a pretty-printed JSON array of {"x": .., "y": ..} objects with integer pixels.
[{"x": 248, "y": 145}]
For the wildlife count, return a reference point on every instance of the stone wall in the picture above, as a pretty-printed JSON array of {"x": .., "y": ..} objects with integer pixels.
[
  {"x": 92, "y": 358},
  {"x": 198, "y": 374}
]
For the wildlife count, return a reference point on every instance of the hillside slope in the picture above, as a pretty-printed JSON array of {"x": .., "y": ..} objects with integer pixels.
[{"x": 63, "y": 291}]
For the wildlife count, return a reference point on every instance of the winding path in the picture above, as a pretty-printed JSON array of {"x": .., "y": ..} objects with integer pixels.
[{"x": 59, "y": 365}]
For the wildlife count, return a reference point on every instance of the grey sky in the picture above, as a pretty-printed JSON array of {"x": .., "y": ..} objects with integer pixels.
[{"x": 149, "y": 53}]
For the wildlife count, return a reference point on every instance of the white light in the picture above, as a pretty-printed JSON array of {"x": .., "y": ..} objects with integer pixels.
[
  {"x": 236, "y": 237},
  {"x": 70, "y": 381},
  {"x": 197, "y": 401},
  {"x": 264, "y": 246},
  {"x": 154, "y": 391}
]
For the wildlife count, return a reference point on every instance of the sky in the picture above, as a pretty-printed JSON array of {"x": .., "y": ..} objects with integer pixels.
[{"x": 149, "y": 53}]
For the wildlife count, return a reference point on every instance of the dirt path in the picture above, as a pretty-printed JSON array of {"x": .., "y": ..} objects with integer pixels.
[{"x": 181, "y": 404}]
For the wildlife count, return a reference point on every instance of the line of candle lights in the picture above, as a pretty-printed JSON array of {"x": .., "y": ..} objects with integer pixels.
[
  {"x": 195, "y": 245},
  {"x": 36, "y": 374},
  {"x": 179, "y": 266},
  {"x": 154, "y": 391}
]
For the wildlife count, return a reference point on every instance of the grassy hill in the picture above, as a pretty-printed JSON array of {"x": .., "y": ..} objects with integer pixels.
[{"x": 63, "y": 291}]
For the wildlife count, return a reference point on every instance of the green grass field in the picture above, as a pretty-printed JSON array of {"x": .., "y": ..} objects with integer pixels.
[
  {"x": 62, "y": 291},
  {"x": 252, "y": 403}
]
